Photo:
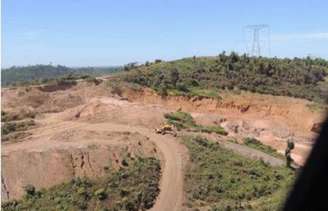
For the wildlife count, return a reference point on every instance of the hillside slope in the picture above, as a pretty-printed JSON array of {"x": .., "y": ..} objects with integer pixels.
[
  {"x": 301, "y": 78},
  {"x": 41, "y": 73}
]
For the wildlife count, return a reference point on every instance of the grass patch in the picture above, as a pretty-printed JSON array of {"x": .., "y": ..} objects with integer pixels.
[
  {"x": 134, "y": 187},
  {"x": 212, "y": 129},
  {"x": 11, "y": 127},
  {"x": 183, "y": 120},
  {"x": 194, "y": 92},
  {"x": 256, "y": 144},
  {"x": 210, "y": 93},
  {"x": 220, "y": 179}
]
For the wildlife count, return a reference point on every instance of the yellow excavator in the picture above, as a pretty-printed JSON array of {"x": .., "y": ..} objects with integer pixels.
[{"x": 166, "y": 129}]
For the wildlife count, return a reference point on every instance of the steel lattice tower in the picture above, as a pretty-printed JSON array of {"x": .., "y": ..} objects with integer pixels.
[{"x": 256, "y": 46}]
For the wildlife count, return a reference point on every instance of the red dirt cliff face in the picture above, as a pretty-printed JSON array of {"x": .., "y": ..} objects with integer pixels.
[
  {"x": 271, "y": 119},
  {"x": 293, "y": 112}
]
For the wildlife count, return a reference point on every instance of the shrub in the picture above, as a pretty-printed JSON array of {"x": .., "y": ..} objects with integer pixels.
[
  {"x": 10, "y": 127},
  {"x": 101, "y": 194},
  {"x": 29, "y": 190}
]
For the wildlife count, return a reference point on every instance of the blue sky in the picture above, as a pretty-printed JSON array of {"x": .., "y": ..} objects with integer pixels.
[{"x": 105, "y": 32}]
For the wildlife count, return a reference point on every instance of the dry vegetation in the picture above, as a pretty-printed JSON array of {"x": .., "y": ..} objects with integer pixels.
[
  {"x": 133, "y": 187},
  {"x": 222, "y": 180}
]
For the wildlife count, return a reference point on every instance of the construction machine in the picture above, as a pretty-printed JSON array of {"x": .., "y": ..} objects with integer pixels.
[{"x": 166, "y": 129}]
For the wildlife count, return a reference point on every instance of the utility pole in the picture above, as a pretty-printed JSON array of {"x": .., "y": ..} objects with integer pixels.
[{"x": 257, "y": 44}]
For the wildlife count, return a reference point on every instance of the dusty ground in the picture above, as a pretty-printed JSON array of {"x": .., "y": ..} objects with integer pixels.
[
  {"x": 85, "y": 140},
  {"x": 271, "y": 119},
  {"x": 86, "y": 130}
]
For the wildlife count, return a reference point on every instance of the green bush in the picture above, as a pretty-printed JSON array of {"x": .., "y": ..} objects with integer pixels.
[
  {"x": 29, "y": 190},
  {"x": 101, "y": 194},
  {"x": 183, "y": 120},
  {"x": 180, "y": 120}
]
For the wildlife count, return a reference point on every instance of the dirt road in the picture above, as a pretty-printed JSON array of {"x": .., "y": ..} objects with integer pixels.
[
  {"x": 171, "y": 187},
  {"x": 253, "y": 153},
  {"x": 173, "y": 155}
]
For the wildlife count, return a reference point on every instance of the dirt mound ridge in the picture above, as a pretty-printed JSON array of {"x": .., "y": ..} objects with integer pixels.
[
  {"x": 101, "y": 109},
  {"x": 43, "y": 100}
]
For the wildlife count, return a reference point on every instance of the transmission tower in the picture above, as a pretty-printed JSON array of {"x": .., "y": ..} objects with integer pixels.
[{"x": 257, "y": 44}]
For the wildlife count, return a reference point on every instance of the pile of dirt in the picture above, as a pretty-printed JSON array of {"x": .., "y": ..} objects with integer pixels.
[
  {"x": 115, "y": 110},
  {"x": 44, "y": 101}
]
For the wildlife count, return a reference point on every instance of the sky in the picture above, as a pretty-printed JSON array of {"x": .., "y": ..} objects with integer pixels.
[{"x": 108, "y": 32}]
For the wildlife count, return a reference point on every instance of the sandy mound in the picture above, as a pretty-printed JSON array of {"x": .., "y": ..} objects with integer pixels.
[{"x": 118, "y": 111}]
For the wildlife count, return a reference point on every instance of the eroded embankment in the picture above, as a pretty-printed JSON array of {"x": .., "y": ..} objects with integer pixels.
[
  {"x": 65, "y": 155},
  {"x": 296, "y": 113},
  {"x": 271, "y": 119}
]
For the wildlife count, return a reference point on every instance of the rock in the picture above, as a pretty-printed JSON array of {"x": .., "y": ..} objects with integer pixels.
[{"x": 316, "y": 127}]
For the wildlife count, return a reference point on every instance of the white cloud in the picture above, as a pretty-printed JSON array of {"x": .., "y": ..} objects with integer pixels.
[{"x": 300, "y": 36}]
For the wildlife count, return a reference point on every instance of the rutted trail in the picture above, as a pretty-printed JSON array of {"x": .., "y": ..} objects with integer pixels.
[
  {"x": 173, "y": 154},
  {"x": 171, "y": 187}
]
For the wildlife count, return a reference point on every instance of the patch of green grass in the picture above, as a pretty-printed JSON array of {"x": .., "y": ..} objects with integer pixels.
[
  {"x": 134, "y": 187},
  {"x": 212, "y": 129},
  {"x": 10, "y": 127},
  {"x": 183, "y": 120},
  {"x": 220, "y": 179},
  {"x": 256, "y": 144},
  {"x": 194, "y": 92},
  {"x": 211, "y": 93}
]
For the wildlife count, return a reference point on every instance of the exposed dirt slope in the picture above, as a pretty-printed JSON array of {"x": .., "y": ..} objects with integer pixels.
[
  {"x": 68, "y": 145},
  {"x": 271, "y": 119},
  {"x": 48, "y": 160},
  {"x": 84, "y": 129}
]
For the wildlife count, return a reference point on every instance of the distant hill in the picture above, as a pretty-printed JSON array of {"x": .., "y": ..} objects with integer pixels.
[
  {"x": 38, "y": 73},
  {"x": 301, "y": 78}
]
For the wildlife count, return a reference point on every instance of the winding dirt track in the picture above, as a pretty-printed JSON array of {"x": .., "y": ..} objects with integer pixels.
[
  {"x": 173, "y": 154},
  {"x": 171, "y": 187}
]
